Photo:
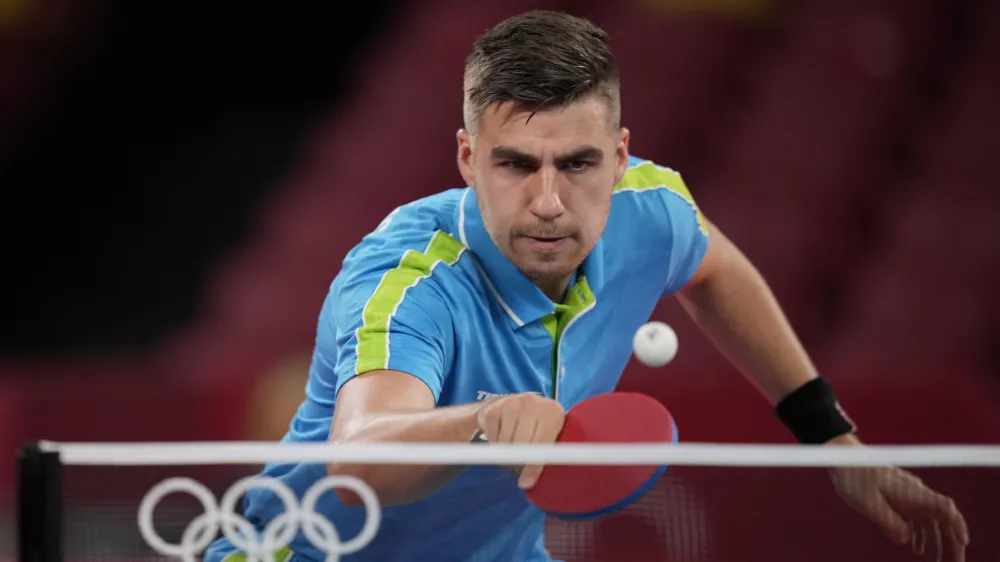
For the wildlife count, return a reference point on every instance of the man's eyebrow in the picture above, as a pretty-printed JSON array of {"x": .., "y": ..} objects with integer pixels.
[
  {"x": 582, "y": 153},
  {"x": 510, "y": 153}
]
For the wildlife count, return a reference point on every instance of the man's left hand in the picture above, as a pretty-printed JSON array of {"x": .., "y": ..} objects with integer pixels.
[{"x": 905, "y": 508}]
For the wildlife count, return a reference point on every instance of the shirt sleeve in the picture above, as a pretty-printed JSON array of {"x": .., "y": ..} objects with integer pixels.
[
  {"x": 686, "y": 229},
  {"x": 387, "y": 310}
]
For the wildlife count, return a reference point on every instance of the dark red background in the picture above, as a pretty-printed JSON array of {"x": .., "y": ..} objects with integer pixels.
[{"x": 848, "y": 147}]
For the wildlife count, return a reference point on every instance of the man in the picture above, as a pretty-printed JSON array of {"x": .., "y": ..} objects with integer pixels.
[{"x": 499, "y": 306}]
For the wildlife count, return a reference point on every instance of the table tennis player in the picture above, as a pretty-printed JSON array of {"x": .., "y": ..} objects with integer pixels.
[{"x": 500, "y": 305}]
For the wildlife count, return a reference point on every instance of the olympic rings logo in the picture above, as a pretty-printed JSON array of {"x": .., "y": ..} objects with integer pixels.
[{"x": 278, "y": 533}]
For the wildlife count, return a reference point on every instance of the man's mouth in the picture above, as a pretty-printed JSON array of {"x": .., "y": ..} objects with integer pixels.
[{"x": 546, "y": 242}]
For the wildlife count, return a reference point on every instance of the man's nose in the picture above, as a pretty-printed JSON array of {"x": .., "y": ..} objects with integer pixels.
[{"x": 545, "y": 201}]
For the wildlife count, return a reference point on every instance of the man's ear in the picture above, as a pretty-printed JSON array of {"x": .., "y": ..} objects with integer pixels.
[
  {"x": 465, "y": 157},
  {"x": 621, "y": 155}
]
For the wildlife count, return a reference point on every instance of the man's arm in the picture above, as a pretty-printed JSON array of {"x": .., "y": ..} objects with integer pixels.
[
  {"x": 732, "y": 304},
  {"x": 730, "y": 301},
  {"x": 394, "y": 407},
  {"x": 390, "y": 406}
]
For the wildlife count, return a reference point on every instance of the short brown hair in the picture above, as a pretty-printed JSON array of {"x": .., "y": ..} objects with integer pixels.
[{"x": 539, "y": 60}]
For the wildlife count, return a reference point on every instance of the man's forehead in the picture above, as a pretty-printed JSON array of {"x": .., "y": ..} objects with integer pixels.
[
  {"x": 589, "y": 112},
  {"x": 565, "y": 127}
]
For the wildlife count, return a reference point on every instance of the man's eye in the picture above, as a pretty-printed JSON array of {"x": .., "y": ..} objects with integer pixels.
[
  {"x": 515, "y": 165},
  {"x": 577, "y": 165}
]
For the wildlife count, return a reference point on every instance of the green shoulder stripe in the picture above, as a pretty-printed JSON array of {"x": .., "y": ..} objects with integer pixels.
[
  {"x": 373, "y": 335},
  {"x": 648, "y": 176}
]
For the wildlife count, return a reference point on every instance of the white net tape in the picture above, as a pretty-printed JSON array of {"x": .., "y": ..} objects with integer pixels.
[
  {"x": 650, "y": 454},
  {"x": 278, "y": 534},
  {"x": 221, "y": 516}
]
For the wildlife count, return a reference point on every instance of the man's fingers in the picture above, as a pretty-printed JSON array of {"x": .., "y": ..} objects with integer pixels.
[
  {"x": 948, "y": 514},
  {"x": 927, "y": 503},
  {"x": 942, "y": 509},
  {"x": 529, "y": 476},
  {"x": 548, "y": 430},
  {"x": 544, "y": 432},
  {"x": 934, "y": 530},
  {"x": 522, "y": 418},
  {"x": 957, "y": 545},
  {"x": 506, "y": 428},
  {"x": 490, "y": 424},
  {"x": 524, "y": 431},
  {"x": 898, "y": 529},
  {"x": 937, "y": 511},
  {"x": 918, "y": 537},
  {"x": 935, "y": 505}
]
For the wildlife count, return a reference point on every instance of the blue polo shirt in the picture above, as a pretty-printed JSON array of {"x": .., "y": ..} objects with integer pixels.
[{"x": 429, "y": 294}]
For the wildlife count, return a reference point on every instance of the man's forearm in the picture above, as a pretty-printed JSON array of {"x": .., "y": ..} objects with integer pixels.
[
  {"x": 737, "y": 311},
  {"x": 397, "y": 484}
]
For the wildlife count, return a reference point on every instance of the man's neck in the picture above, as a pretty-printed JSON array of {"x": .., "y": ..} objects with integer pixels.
[{"x": 555, "y": 290}]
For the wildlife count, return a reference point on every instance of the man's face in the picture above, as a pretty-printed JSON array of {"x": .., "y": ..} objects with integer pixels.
[{"x": 544, "y": 185}]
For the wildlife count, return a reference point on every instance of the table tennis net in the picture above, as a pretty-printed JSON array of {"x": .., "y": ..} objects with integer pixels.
[{"x": 714, "y": 503}]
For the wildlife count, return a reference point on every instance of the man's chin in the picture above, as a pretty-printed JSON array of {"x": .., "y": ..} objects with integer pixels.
[{"x": 551, "y": 271}]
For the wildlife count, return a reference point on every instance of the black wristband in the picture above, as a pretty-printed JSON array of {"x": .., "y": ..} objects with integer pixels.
[{"x": 813, "y": 414}]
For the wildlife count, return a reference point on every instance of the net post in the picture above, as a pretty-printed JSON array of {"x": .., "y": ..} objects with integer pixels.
[{"x": 39, "y": 505}]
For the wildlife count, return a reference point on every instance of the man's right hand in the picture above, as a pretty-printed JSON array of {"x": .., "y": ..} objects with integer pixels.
[{"x": 522, "y": 418}]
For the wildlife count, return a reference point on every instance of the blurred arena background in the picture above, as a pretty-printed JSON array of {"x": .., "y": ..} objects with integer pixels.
[{"x": 180, "y": 186}]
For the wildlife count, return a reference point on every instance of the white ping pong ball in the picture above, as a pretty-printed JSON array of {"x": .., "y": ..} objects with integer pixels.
[{"x": 655, "y": 344}]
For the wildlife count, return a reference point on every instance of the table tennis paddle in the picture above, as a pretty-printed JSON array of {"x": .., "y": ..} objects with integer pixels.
[{"x": 579, "y": 492}]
